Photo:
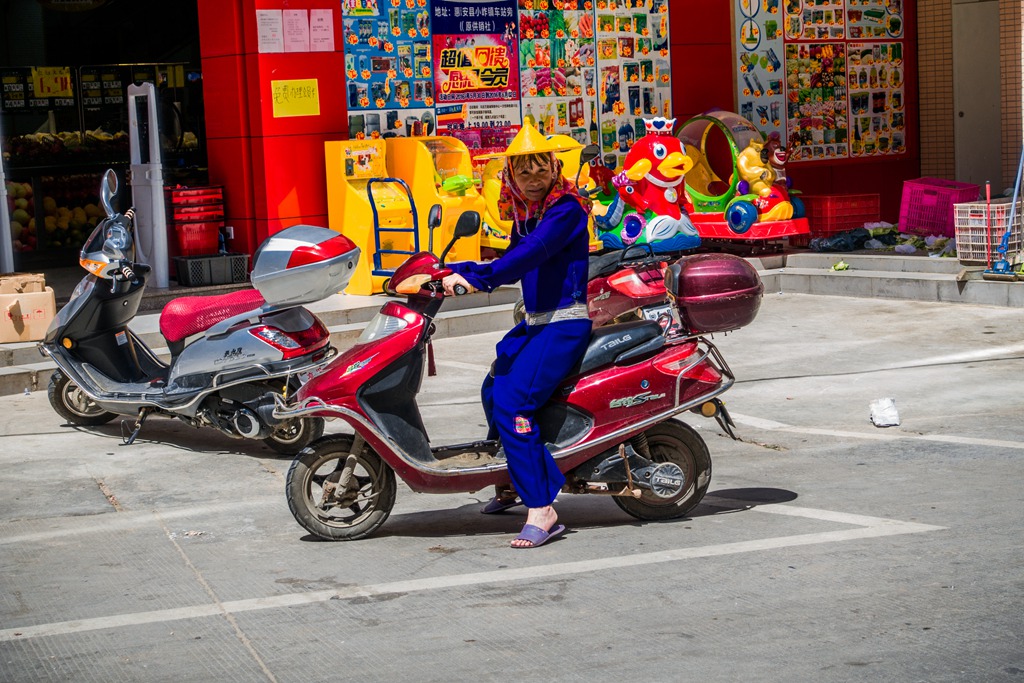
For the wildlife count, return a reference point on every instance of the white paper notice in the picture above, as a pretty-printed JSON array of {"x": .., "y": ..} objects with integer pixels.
[
  {"x": 296, "y": 31},
  {"x": 269, "y": 33},
  {"x": 321, "y": 30}
]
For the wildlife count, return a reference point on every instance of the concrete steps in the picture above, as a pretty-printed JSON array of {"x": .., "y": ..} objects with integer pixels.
[{"x": 886, "y": 277}]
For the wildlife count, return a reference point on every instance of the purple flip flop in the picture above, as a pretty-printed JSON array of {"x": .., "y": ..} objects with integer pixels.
[
  {"x": 498, "y": 505},
  {"x": 537, "y": 536}
]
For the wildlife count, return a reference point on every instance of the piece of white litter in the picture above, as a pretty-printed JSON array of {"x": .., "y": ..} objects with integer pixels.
[{"x": 884, "y": 414}]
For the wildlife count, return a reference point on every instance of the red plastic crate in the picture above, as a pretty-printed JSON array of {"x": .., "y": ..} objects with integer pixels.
[
  {"x": 198, "y": 239},
  {"x": 192, "y": 196},
  {"x": 927, "y": 205},
  {"x": 203, "y": 212},
  {"x": 828, "y": 214}
]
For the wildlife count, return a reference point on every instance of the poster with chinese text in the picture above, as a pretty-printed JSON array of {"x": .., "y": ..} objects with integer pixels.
[{"x": 476, "y": 76}]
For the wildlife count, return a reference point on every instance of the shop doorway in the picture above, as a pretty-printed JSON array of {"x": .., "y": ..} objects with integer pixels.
[{"x": 977, "y": 126}]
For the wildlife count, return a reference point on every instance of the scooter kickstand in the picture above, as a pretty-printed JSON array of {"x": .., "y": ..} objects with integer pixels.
[
  {"x": 136, "y": 428},
  {"x": 724, "y": 420}
]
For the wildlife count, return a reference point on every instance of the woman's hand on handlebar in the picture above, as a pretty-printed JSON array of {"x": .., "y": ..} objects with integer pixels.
[{"x": 456, "y": 284}]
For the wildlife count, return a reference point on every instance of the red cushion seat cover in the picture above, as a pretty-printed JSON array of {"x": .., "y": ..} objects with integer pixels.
[{"x": 188, "y": 315}]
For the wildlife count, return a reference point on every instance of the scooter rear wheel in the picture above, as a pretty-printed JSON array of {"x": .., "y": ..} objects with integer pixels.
[
  {"x": 325, "y": 508},
  {"x": 675, "y": 442},
  {"x": 294, "y": 435},
  {"x": 71, "y": 403}
]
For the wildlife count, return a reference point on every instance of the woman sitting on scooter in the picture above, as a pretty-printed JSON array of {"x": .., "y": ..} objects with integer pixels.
[{"x": 548, "y": 254}]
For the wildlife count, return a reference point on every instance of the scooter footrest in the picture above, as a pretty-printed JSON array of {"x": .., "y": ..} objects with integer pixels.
[
  {"x": 468, "y": 459},
  {"x": 450, "y": 451}
]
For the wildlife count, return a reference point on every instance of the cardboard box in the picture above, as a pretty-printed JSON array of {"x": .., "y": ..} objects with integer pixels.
[
  {"x": 21, "y": 283},
  {"x": 25, "y": 317}
]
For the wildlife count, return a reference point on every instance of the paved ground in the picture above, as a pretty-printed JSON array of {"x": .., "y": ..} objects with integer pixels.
[{"x": 827, "y": 550}]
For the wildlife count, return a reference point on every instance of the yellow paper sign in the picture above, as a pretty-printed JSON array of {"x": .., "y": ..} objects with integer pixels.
[
  {"x": 295, "y": 98},
  {"x": 52, "y": 81}
]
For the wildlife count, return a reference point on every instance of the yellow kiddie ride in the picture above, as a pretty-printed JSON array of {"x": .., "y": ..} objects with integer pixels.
[
  {"x": 380, "y": 193},
  {"x": 438, "y": 170},
  {"x": 372, "y": 209}
]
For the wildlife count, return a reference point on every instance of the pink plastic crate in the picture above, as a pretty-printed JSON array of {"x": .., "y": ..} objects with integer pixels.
[{"x": 927, "y": 205}]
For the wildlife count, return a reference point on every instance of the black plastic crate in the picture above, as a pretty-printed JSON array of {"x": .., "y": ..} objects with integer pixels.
[{"x": 218, "y": 269}]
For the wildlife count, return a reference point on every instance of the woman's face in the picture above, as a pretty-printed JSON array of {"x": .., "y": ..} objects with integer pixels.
[{"x": 534, "y": 175}]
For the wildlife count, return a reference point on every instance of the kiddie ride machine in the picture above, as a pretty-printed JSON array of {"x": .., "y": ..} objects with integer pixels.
[
  {"x": 381, "y": 194},
  {"x": 648, "y": 205},
  {"x": 751, "y": 200}
]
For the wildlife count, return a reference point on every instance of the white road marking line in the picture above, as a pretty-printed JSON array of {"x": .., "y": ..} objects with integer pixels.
[
  {"x": 962, "y": 357},
  {"x": 866, "y": 527},
  {"x": 884, "y": 435}
]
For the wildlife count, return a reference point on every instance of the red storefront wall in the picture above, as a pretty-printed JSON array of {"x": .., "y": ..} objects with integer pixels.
[{"x": 272, "y": 169}]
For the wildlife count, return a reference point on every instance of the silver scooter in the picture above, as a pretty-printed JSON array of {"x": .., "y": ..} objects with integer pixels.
[{"x": 229, "y": 354}]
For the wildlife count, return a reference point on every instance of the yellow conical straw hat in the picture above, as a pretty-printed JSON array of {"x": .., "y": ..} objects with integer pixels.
[{"x": 529, "y": 140}]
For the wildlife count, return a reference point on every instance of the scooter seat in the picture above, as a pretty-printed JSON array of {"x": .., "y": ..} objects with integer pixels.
[
  {"x": 613, "y": 343},
  {"x": 188, "y": 315}
]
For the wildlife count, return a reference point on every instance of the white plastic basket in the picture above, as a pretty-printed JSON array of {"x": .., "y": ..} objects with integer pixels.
[{"x": 974, "y": 244}]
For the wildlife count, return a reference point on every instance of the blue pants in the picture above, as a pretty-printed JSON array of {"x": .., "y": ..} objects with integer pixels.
[{"x": 532, "y": 361}]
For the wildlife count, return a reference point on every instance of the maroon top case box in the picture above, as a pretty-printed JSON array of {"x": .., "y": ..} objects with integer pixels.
[{"x": 714, "y": 292}]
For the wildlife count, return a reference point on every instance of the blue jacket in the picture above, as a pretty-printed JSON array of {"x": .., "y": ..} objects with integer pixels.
[{"x": 550, "y": 260}]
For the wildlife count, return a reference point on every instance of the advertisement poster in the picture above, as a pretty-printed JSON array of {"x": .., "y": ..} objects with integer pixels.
[
  {"x": 388, "y": 68},
  {"x": 761, "y": 76},
  {"x": 842, "y": 76},
  {"x": 817, "y": 120},
  {"x": 632, "y": 71},
  {"x": 877, "y": 102},
  {"x": 815, "y": 20},
  {"x": 874, "y": 19},
  {"x": 557, "y": 62},
  {"x": 476, "y": 75}
]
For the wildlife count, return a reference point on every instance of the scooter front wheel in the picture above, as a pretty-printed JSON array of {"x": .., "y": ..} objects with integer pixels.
[
  {"x": 678, "y": 443},
  {"x": 71, "y": 403},
  {"x": 336, "y": 495}
]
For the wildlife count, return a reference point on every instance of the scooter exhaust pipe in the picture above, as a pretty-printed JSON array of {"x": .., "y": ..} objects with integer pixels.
[{"x": 247, "y": 424}]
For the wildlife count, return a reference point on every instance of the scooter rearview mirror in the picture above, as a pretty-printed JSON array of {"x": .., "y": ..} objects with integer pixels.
[
  {"x": 434, "y": 217},
  {"x": 433, "y": 223},
  {"x": 468, "y": 224},
  {"x": 108, "y": 189}
]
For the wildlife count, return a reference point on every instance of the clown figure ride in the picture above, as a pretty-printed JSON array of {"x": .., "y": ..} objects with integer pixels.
[{"x": 649, "y": 206}]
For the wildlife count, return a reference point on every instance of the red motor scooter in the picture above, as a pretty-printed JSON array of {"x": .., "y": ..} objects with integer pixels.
[{"x": 609, "y": 426}]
